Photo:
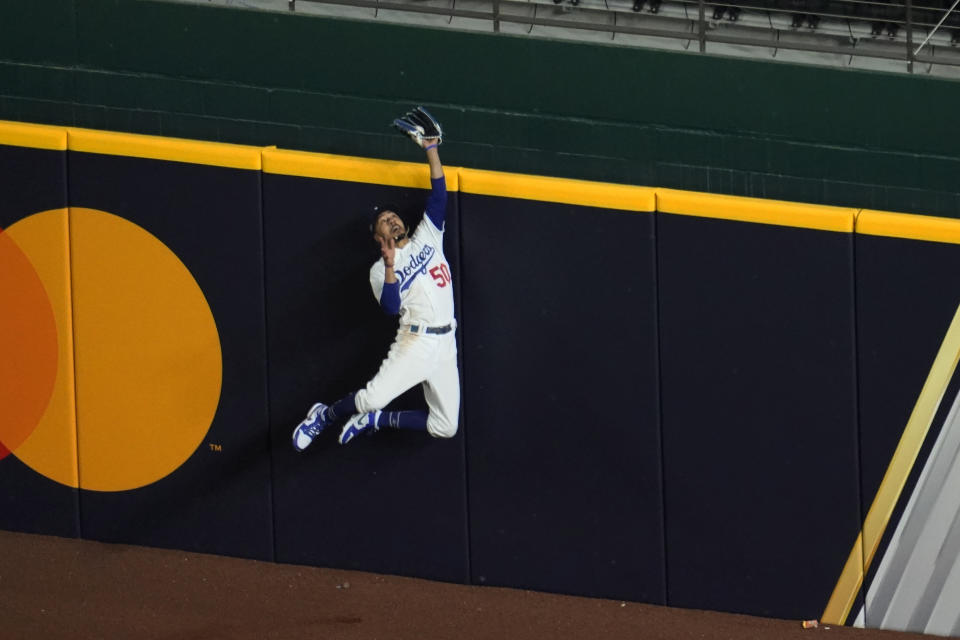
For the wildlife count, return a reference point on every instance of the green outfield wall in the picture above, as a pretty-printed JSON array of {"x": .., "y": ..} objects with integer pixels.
[{"x": 688, "y": 121}]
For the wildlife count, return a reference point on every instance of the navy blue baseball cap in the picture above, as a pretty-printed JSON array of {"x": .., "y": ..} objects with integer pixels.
[{"x": 380, "y": 208}]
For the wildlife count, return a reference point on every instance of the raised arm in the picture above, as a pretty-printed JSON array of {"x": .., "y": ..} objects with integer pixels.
[
  {"x": 433, "y": 159},
  {"x": 426, "y": 132},
  {"x": 437, "y": 202}
]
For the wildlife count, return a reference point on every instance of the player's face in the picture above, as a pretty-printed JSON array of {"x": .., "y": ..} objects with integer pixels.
[{"x": 389, "y": 225}]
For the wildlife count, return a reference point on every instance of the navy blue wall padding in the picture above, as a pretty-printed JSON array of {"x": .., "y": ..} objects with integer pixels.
[
  {"x": 394, "y": 502},
  {"x": 210, "y": 217},
  {"x": 759, "y": 419},
  {"x": 907, "y": 295},
  {"x": 559, "y": 340},
  {"x": 34, "y": 180}
]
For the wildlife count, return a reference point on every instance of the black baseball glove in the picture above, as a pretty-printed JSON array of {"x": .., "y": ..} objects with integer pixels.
[{"x": 422, "y": 127}]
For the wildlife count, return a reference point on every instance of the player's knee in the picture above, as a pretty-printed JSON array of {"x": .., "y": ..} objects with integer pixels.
[
  {"x": 367, "y": 400},
  {"x": 439, "y": 427}
]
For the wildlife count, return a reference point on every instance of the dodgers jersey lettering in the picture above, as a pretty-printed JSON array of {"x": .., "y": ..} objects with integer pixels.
[{"x": 423, "y": 274}]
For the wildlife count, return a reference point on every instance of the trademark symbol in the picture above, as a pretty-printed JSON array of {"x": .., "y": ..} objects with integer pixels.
[{"x": 215, "y": 447}]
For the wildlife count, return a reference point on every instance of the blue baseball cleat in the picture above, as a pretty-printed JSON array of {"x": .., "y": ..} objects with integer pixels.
[
  {"x": 360, "y": 423},
  {"x": 312, "y": 426}
]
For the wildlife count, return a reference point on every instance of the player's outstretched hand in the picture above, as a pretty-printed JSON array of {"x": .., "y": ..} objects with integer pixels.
[
  {"x": 388, "y": 249},
  {"x": 422, "y": 127}
]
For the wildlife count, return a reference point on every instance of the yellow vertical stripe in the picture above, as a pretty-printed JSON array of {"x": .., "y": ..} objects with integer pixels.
[
  {"x": 845, "y": 593},
  {"x": 878, "y": 517}
]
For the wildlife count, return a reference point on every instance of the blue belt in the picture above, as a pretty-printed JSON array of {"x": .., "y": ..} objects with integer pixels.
[{"x": 416, "y": 328}]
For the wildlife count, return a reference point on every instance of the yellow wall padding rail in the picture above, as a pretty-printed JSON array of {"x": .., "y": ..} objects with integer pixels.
[
  {"x": 218, "y": 154},
  {"x": 905, "y": 225},
  {"x": 777, "y": 212},
  {"x": 330, "y": 167},
  {"x": 561, "y": 190},
  {"x": 19, "y": 134}
]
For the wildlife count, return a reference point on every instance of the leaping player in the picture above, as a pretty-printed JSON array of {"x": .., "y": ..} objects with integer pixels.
[{"x": 412, "y": 280}]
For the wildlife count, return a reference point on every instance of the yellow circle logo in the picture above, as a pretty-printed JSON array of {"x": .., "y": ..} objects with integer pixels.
[{"x": 129, "y": 317}]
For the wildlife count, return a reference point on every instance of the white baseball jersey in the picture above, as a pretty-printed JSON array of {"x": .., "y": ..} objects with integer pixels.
[{"x": 426, "y": 288}]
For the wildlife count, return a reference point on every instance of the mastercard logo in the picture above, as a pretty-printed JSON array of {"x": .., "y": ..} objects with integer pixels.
[{"x": 111, "y": 366}]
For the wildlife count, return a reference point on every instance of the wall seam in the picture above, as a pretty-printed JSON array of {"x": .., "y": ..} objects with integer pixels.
[
  {"x": 463, "y": 404},
  {"x": 74, "y": 333},
  {"x": 266, "y": 362},
  {"x": 659, "y": 347},
  {"x": 861, "y": 512}
]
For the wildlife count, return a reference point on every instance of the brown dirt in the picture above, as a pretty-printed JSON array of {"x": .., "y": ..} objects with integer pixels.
[{"x": 52, "y": 588}]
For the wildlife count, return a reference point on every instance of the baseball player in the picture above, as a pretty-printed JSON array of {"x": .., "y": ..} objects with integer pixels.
[{"x": 412, "y": 280}]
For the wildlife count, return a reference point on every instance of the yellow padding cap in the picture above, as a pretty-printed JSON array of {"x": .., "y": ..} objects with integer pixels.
[
  {"x": 349, "y": 169},
  {"x": 38, "y": 136},
  {"x": 777, "y": 212},
  {"x": 562, "y": 190},
  {"x": 905, "y": 225},
  {"x": 218, "y": 154}
]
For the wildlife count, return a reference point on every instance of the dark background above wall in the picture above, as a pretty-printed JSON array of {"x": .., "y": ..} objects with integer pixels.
[{"x": 598, "y": 112}]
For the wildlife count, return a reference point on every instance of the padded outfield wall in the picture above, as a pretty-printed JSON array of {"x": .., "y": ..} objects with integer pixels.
[{"x": 668, "y": 397}]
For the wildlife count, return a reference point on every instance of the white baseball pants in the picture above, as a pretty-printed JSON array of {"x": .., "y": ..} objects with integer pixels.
[{"x": 419, "y": 358}]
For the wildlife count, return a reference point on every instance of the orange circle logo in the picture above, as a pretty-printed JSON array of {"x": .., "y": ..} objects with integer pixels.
[
  {"x": 115, "y": 366},
  {"x": 28, "y": 342}
]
